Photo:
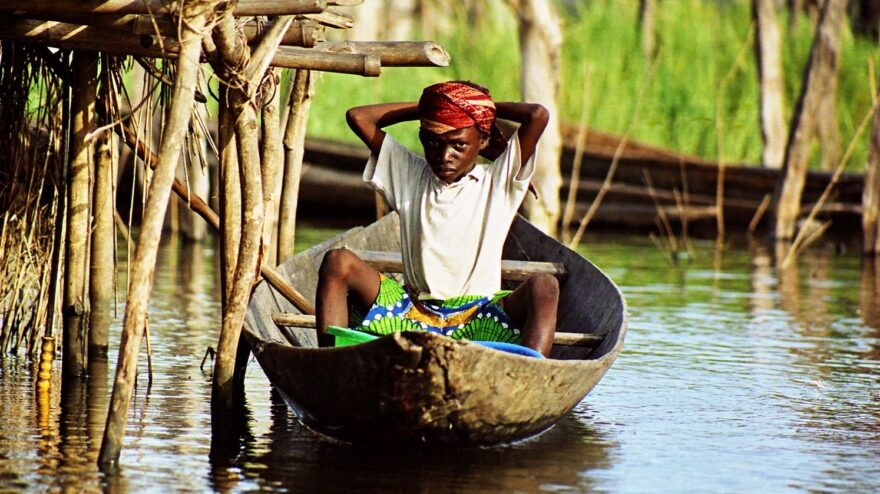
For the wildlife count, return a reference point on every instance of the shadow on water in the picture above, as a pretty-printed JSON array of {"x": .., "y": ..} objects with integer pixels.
[{"x": 290, "y": 456}]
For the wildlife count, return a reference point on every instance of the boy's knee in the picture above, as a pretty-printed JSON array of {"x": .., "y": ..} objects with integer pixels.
[
  {"x": 545, "y": 286},
  {"x": 337, "y": 263}
]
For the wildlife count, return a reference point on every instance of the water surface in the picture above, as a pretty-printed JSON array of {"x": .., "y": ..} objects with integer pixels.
[{"x": 734, "y": 378}]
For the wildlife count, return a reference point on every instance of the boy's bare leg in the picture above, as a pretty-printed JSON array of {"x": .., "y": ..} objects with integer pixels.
[
  {"x": 532, "y": 306},
  {"x": 342, "y": 274}
]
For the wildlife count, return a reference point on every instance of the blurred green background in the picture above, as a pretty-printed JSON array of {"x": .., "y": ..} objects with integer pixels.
[{"x": 700, "y": 43}]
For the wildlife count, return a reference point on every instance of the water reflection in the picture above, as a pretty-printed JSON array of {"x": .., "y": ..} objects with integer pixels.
[
  {"x": 830, "y": 388},
  {"x": 763, "y": 285},
  {"x": 736, "y": 376},
  {"x": 289, "y": 455}
]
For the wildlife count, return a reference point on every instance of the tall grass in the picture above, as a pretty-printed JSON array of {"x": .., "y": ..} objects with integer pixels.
[{"x": 698, "y": 44}]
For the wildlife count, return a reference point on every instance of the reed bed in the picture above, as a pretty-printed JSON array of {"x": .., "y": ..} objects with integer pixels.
[{"x": 700, "y": 40}]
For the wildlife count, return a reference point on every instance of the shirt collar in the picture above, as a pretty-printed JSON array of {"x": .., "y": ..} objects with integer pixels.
[{"x": 475, "y": 175}]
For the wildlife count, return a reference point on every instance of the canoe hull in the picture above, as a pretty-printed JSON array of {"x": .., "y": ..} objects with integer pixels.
[
  {"x": 424, "y": 388},
  {"x": 419, "y": 387}
]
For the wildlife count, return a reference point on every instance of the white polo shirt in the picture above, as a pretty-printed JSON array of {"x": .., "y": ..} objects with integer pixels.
[{"x": 451, "y": 234}]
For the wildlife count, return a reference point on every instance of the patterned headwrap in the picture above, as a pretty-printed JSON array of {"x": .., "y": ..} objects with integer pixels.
[{"x": 455, "y": 105}]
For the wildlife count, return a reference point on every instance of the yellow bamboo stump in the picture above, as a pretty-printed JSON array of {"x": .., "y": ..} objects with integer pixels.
[{"x": 47, "y": 357}]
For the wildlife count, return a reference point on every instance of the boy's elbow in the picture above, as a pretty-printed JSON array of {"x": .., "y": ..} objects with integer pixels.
[
  {"x": 352, "y": 117},
  {"x": 540, "y": 115}
]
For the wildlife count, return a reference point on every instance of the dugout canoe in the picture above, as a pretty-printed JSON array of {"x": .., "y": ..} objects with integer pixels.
[
  {"x": 683, "y": 187},
  {"x": 419, "y": 387}
]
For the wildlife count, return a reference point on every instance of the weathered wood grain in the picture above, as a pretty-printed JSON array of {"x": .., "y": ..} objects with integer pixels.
[{"x": 391, "y": 262}]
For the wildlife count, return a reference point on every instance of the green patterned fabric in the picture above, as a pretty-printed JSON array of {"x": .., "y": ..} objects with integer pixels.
[{"x": 472, "y": 317}]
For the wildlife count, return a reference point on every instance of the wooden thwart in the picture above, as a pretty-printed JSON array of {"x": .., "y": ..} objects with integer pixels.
[
  {"x": 564, "y": 339},
  {"x": 391, "y": 262}
]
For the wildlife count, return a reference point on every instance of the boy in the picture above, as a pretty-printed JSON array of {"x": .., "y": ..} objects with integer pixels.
[{"x": 454, "y": 218}]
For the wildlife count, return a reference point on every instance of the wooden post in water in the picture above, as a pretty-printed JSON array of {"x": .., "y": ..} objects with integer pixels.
[
  {"x": 183, "y": 94},
  {"x": 103, "y": 256},
  {"x": 231, "y": 51},
  {"x": 223, "y": 397},
  {"x": 75, "y": 304},
  {"x": 824, "y": 58},
  {"x": 302, "y": 91},
  {"x": 871, "y": 193},
  {"x": 272, "y": 161},
  {"x": 230, "y": 198}
]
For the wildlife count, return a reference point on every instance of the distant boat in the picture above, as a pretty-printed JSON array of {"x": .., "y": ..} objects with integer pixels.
[
  {"x": 417, "y": 387},
  {"x": 683, "y": 186}
]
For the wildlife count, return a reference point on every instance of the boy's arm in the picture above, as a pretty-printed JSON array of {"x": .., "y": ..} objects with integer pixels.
[
  {"x": 531, "y": 117},
  {"x": 367, "y": 121}
]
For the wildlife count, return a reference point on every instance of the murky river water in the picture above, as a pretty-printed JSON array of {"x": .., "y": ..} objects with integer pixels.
[{"x": 734, "y": 378}]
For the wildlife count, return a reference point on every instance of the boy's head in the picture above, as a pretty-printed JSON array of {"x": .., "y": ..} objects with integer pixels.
[
  {"x": 456, "y": 119},
  {"x": 455, "y": 105}
]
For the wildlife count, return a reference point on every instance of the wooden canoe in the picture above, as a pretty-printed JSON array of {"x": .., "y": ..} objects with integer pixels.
[
  {"x": 420, "y": 387},
  {"x": 683, "y": 186}
]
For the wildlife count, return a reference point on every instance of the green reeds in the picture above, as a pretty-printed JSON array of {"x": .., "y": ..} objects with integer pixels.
[{"x": 700, "y": 40}]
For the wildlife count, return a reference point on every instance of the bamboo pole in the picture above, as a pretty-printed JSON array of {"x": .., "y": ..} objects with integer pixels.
[
  {"x": 103, "y": 257},
  {"x": 79, "y": 37},
  {"x": 75, "y": 304},
  {"x": 60, "y": 205},
  {"x": 303, "y": 32},
  {"x": 247, "y": 266},
  {"x": 301, "y": 93},
  {"x": 393, "y": 53},
  {"x": 243, "y": 8},
  {"x": 272, "y": 159},
  {"x": 232, "y": 54},
  {"x": 292, "y": 57},
  {"x": 148, "y": 241},
  {"x": 230, "y": 199}
]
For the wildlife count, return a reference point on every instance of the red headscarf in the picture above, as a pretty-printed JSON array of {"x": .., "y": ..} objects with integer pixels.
[{"x": 455, "y": 105}]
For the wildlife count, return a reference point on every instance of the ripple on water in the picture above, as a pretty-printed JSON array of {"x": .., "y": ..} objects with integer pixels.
[{"x": 730, "y": 381}]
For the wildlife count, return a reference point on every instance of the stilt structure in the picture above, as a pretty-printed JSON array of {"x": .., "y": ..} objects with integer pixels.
[{"x": 247, "y": 54}]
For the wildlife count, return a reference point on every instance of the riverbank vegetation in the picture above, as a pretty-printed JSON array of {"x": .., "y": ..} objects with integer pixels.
[{"x": 699, "y": 44}]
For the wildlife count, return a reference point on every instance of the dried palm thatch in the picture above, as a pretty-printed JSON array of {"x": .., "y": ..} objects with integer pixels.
[{"x": 30, "y": 185}]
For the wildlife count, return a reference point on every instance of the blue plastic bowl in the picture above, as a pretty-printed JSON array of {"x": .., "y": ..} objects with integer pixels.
[
  {"x": 347, "y": 337},
  {"x": 511, "y": 348}
]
